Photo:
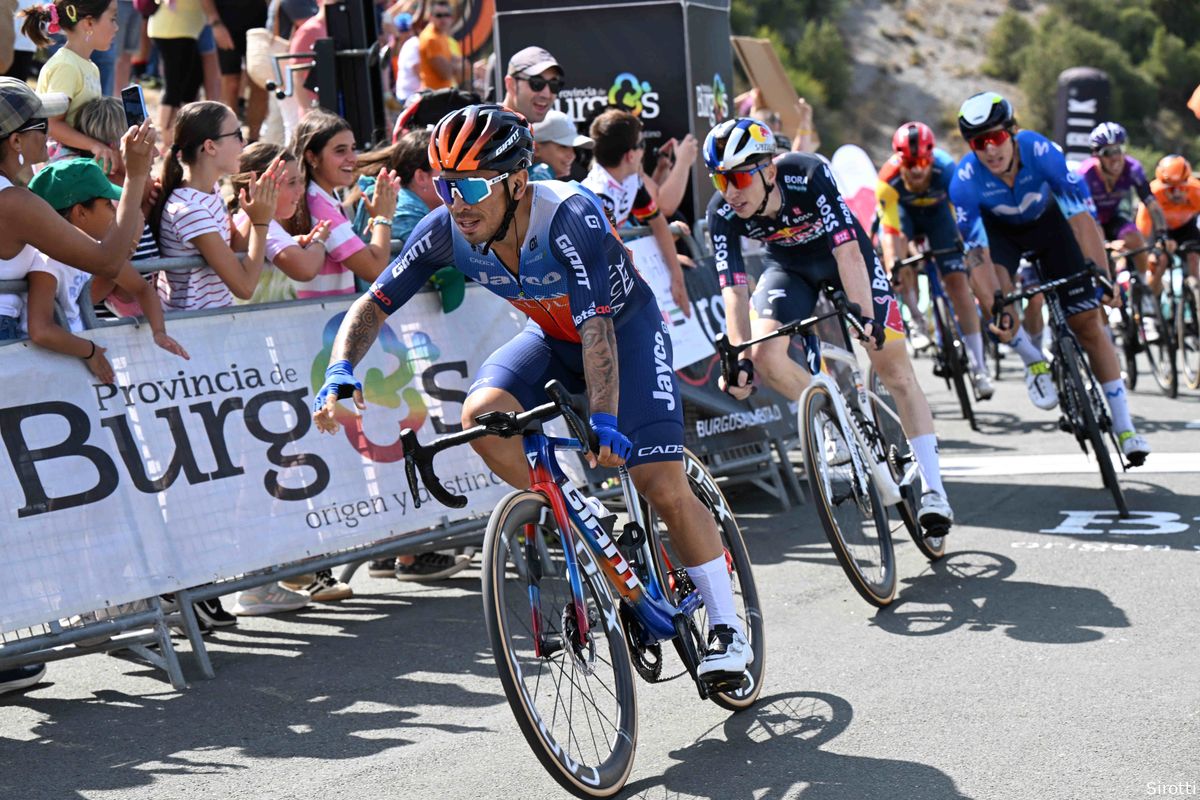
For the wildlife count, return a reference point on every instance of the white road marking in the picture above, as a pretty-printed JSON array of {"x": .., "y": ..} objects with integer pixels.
[{"x": 1058, "y": 464}]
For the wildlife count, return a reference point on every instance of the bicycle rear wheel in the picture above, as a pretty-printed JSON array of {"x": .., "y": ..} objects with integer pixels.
[
  {"x": 1157, "y": 340},
  {"x": 1187, "y": 330},
  {"x": 1085, "y": 398},
  {"x": 1129, "y": 347},
  {"x": 954, "y": 357},
  {"x": 900, "y": 453},
  {"x": 848, "y": 504},
  {"x": 574, "y": 704},
  {"x": 674, "y": 579}
]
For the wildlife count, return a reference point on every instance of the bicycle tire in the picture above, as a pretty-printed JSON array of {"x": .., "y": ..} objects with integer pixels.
[
  {"x": 1129, "y": 348},
  {"x": 954, "y": 357},
  {"x": 1162, "y": 349},
  {"x": 1080, "y": 393},
  {"x": 1187, "y": 330},
  {"x": 832, "y": 485},
  {"x": 508, "y": 559},
  {"x": 672, "y": 576},
  {"x": 892, "y": 434}
]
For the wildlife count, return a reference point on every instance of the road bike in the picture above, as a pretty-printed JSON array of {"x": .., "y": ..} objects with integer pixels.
[
  {"x": 845, "y": 454},
  {"x": 573, "y": 607},
  {"x": 1138, "y": 323},
  {"x": 1184, "y": 305},
  {"x": 1083, "y": 412}
]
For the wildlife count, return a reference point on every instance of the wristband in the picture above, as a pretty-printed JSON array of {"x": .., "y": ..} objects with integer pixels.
[
  {"x": 380, "y": 221},
  {"x": 88, "y": 357},
  {"x": 260, "y": 224},
  {"x": 339, "y": 381}
]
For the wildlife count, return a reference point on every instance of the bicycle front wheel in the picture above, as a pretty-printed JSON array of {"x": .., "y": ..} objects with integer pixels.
[
  {"x": 1187, "y": 328},
  {"x": 1083, "y": 397},
  {"x": 574, "y": 703},
  {"x": 848, "y": 503},
  {"x": 954, "y": 357}
]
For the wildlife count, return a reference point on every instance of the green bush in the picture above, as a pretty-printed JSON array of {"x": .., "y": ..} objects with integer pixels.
[{"x": 1008, "y": 38}]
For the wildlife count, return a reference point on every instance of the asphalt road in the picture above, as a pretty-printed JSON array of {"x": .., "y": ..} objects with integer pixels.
[{"x": 1051, "y": 654}]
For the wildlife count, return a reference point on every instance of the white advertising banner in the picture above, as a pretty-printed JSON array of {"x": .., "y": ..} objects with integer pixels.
[
  {"x": 688, "y": 340},
  {"x": 183, "y": 472}
]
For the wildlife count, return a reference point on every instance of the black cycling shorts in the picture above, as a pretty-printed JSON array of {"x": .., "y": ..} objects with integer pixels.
[
  {"x": 1187, "y": 232},
  {"x": 1052, "y": 241}
]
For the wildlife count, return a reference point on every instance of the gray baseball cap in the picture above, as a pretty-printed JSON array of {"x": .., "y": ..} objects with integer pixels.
[
  {"x": 19, "y": 104},
  {"x": 558, "y": 128},
  {"x": 532, "y": 61}
]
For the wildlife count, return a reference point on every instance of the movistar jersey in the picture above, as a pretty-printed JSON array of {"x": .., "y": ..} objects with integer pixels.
[
  {"x": 892, "y": 194},
  {"x": 812, "y": 221},
  {"x": 1042, "y": 178},
  {"x": 572, "y": 265}
]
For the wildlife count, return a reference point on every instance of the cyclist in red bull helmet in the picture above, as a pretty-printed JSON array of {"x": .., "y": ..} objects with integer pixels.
[
  {"x": 792, "y": 205},
  {"x": 547, "y": 248}
]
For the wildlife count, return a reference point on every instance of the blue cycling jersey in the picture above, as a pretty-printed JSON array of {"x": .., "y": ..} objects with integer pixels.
[{"x": 1042, "y": 177}]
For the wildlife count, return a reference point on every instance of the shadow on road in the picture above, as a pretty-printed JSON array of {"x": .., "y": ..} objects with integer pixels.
[
  {"x": 371, "y": 668},
  {"x": 975, "y": 589},
  {"x": 773, "y": 750}
]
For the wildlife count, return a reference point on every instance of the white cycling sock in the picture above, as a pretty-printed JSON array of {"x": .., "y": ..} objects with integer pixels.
[
  {"x": 1029, "y": 352},
  {"x": 974, "y": 342},
  {"x": 925, "y": 448},
  {"x": 712, "y": 581},
  {"x": 1118, "y": 404}
]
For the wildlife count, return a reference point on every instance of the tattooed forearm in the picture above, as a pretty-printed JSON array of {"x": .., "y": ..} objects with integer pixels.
[
  {"x": 358, "y": 332},
  {"x": 600, "y": 364}
]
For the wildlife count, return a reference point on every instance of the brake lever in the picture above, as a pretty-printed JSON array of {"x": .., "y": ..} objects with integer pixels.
[
  {"x": 556, "y": 392},
  {"x": 416, "y": 461}
]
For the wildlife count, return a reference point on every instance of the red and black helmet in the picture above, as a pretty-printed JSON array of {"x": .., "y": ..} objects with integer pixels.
[
  {"x": 478, "y": 137},
  {"x": 913, "y": 142}
]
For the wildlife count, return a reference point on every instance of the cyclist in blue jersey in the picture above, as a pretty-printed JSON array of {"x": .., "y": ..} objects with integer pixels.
[
  {"x": 1014, "y": 194},
  {"x": 792, "y": 204},
  {"x": 547, "y": 248},
  {"x": 913, "y": 193}
]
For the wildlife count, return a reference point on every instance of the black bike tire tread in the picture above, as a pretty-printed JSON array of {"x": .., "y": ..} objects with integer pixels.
[{"x": 1070, "y": 352}]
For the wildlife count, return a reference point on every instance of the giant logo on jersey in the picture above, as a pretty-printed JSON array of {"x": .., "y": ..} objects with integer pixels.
[
  {"x": 390, "y": 390},
  {"x": 627, "y": 92}
]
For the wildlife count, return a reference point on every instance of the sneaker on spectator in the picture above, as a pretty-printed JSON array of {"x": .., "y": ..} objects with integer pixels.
[
  {"x": 300, "y": 581},
  {"x": 382, "y": 568},
  {"x": 171, "y": 606},
  {"x": 327, "y": 589},
  {"x": 213, "y": 614},
  {"x": 431, "y": 567},
  {"x": 270, "y": 598},
  {"x": 17, "y": 678}
]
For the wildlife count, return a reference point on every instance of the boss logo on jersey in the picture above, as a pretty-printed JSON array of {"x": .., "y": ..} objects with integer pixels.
[
  {"x": 568, "y": 250},
  {"x": 827, "y": 217},
  {"x": 666, "y": 387},
  {"x": 661, "y": 450},
  {"x": 721, "y": 250},
  {"x": 726, "y": 211}
]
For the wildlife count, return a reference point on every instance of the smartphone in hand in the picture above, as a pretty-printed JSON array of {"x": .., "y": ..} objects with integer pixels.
[{"x": 135, "y": 105}]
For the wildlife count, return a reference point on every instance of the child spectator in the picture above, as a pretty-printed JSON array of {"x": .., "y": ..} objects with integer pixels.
[
  {"x": 79, "y": 191},
  {"x": 88, "y": 25},
  {"x": 292, "y": 258},
  {"x": 191, "y": 218},
  {"x": 325, "y": 148}
]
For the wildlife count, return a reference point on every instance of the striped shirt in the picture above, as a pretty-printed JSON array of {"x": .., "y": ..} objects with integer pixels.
[
  {"x": 190, "y": 213},
  {"x": 333, "y": 277}
]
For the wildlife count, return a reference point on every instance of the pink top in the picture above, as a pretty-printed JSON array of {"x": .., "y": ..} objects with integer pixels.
[{"x": 333, "y": 277}]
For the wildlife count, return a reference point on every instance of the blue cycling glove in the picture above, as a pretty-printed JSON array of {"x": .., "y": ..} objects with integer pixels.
[
  {"x": 339, "y": 380},
  {"x": 605, "y": 426}
]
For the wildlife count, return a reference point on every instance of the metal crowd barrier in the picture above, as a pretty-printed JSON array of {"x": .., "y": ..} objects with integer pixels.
[{"x": 146, "y": 624}]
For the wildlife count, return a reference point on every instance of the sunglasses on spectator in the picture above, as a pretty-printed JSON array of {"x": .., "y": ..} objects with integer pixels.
[
  {"x": 443, "y": 14},
  {"x": 993, "y": 138},
  {"x": 740, "y": 180},
  {"x": 1111, "y": 150},
  {"x": 537, "y": 83},
  {"x": 472, "y": 190},
  {"x": 33, "y": 125},
  {"x": 241, "y": 137},
  {"x": 918, "y": 163}
]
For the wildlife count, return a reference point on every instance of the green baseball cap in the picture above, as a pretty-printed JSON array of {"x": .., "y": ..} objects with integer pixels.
[{"x": 62, "y": 184}]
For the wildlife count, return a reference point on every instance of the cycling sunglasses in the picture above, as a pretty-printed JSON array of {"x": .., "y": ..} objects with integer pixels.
[
  {"x": 740, "y": 179},
  {"x": 537, "y": 83},
  {"x": 471, "y": 190},
  {"x": 1111, "y": 150},
  {"x": 920, "y": 163},
  {"x": 993, "y": 138}
]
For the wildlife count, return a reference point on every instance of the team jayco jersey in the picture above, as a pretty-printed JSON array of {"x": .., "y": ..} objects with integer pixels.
[
  {"x": 892, "y": 194},
  {"x": 622, "y": 199},
  {"x": 812, "y": 221},
  {"x": 572, "y": 266},
  {"x": 1108, "y": 201},
  {"x": 1042, "y": 177}
]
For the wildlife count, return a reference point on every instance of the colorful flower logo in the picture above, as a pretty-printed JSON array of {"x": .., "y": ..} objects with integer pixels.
[
  {"x": 627, "y": 93},
  {"x": 720, "y": 100},
  {"x": 391, "y": 390}
]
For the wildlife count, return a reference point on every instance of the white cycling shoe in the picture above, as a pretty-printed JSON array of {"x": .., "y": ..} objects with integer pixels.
[
  {"x": 983, "y": 385},
  {"x": 1135, "y": 448},
  {"x": 728, "y": 654},
  {"x": 935, "y": 514},
  {"x": 1040, "y": 386}
]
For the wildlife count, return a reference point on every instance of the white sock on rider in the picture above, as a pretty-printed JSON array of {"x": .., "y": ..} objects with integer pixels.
[
  {"x": 1029, "y": 352},
  {"x": 1118, "y": 404},
  {"x": 925, "y": 448},
  {"x": 974, "y": 343},
  {"x": 712, "y": 581}
]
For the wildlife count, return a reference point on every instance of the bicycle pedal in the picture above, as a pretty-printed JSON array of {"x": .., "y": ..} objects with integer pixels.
[{"x": 725, "y": 683}]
